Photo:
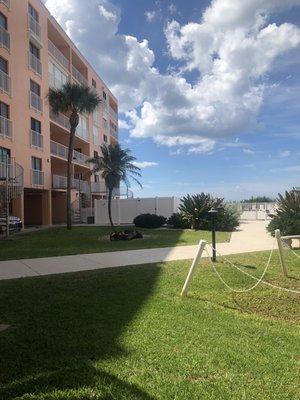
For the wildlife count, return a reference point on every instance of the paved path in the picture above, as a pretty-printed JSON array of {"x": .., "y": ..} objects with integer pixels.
[{"x": 251, "y": 236}]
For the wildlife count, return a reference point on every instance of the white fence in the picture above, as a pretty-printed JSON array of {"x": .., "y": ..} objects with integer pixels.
[
  {"x": 256, "y": 211},
  {"x": 125, "y": 210}
]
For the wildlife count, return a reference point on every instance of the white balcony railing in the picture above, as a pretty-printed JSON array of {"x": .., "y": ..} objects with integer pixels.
[
  {"x": 58, "y": 55},
  {"x": 35, "y": 64},
  {"x": 6, "y": 3},
  {"x": 5, "y": 128},
  {"x": 79, "y": 77},
  {"x": 35, "y": 102},
  {"x": 36, "y": 139},
  {"x": 34, "y": 28},
  {"x": 5, "y": 82},
  {"x": 62, "y": 151},
  {"x": 60, "y": 182},
  {"x": 55, "y": 82},
  {"x": 37, "y": 177},
  {"x": 113, "y": 114},
  {"x": 97, "y": 186},
  {"x": 4, "y": 38},
  {"x": 114, "y": 133},
  {"x": 61, "y": 120}
]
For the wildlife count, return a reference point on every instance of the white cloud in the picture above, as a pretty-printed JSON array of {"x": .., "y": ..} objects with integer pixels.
[
  {"x": 231, "y": 48},
  {"x": 145, "y": 164},
  {"x": 292, "y": 168},
  {"x": 150, "y": 15},
  {"x": 124, "y": 124},
  {"x": 172, "y": 8},
  {"x": 248, "y": 151},
  {"x": 284, "y": 153}
]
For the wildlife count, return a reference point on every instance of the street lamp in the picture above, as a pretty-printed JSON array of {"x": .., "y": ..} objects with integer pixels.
[{"x": 213, "y": 212}]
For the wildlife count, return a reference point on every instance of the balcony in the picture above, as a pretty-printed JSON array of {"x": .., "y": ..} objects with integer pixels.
[
  {"x": 79, "y": 77},
  {"x": 35, "y": 64},
  {"x": 55, "y": 82},
  {"x": 6, "y": 3},
  {"x": 5, "y": 128},
  {"x": 114, "y": 133},
  {"x": 59, "y": 150},
  {"x": 58, "y": 55},
  {"x": 37, "y": 177},
  {"x": 36, "y": 140},
  {"x": 98, "y": 187},
  {"x": 60, "y": 182},
  {"x": 4, "y": 39},
  {"x": 113, "y": 114},
  {"x": 35, "y": 102},
  {"x": 61, "y": 120},
  {"x": 5, "y": 83},
  {"x": 35, "y": 31}
]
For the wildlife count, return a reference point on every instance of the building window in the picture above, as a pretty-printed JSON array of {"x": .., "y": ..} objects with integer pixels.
[
  {"x": 36, "y": 125},
  {"x": 36, "y": 163},
  {"x": 96, "y": 155},
  {"x": 3, "y": 21},
  {"x": 97, "y": 178},
  {"x": 3, "y": 65},
  {"x": 56, "y": 76},
  {"x": 4, "y": 153},
  {"x": 94, "y": 83},
  {"x": 34, "y": 50},
  {"x": 32, "y": 11},
  {"x": 35, "y": 88},
  {"x": 104, "y": 95},
  {"x": 105, "y": 138},
  {"x": 4, "y": 110}
]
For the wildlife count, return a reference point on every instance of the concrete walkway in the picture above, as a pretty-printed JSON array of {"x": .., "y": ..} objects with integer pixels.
[{"x": 251, "y": 236}]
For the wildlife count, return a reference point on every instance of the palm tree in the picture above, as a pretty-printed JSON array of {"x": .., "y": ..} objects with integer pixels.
[
  {"x": 116, "y": 165},
  {"x": 72, "y": 99}
]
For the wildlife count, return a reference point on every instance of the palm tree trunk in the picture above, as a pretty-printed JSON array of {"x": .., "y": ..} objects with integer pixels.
[
  {"x": 74, "y": 120},
  {"x": 110, "y": 192}
]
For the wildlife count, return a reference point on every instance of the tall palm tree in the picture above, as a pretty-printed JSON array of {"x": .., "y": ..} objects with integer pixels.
[
  {"x": 72, "y": 99},
  {"x": 116, "y": 165}
]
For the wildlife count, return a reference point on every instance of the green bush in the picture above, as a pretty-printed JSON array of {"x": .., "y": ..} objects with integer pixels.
[
  {"x": 287, "y": 217},
  {"x": 149, "y": 221},
  {"x": 177, "y": 221},
  {"x": 226, "y": 220}
]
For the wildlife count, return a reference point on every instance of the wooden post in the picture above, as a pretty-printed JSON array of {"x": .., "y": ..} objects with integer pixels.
[
  {"x": 192, "y": 270},
  {"x": 280, "y": 250}
]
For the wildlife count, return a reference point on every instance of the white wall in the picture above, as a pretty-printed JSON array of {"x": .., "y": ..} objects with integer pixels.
[{"x": 125, "y": 210}]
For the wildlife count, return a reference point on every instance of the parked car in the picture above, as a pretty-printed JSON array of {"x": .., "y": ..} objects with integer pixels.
[{"x": 15, "y": 224}]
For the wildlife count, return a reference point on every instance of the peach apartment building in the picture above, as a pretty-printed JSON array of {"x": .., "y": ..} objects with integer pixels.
[{"x": 35, "y": 54}]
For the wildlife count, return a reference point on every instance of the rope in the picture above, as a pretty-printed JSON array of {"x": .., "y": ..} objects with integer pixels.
[
  {"x": 259, "y": 280},
  {"x": 287, "y": 247}
]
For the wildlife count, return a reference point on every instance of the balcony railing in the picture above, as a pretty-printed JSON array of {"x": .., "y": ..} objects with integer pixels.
[
  {"x": 36, "y": 139},
  {"x": 114, "y": 133},
  {"x": 79, "y": 77},
  {"x": 4, "y": 38},
  {"x": 5, "y": 128},
  {"x": 62, "y": 151},
  {"x": 60, "y": 182},
  {"x": 35, "y": 64},
  {"x": 113, "y": 114},
  {"x": 35, "y": 102},
  {"x": 34, "y": 28},
  {"x": 98, "y": 187},
  {"x": 6, "y": 3},
  {"x": 61, "y": 120},
  {"x": 58, "y": 55},
  {"x": 5, "y": 82},
  {"x": 37, "y": 177}
]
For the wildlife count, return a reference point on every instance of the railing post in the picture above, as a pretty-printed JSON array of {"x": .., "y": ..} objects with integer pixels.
[
  {"x": 192, "y": 270},
  {"x": 280, "y": 251}
]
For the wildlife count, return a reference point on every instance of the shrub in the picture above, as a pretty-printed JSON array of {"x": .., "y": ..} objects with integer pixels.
[
  {"x": 177, "y": 221},
  {"x": 226, "y": 220},
  {"x": 149, "y": 221},
  {"x": 287, "y": 217}
]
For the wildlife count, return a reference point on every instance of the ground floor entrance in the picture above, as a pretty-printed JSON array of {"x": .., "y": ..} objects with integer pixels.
[{"x": 37, "y": 207}]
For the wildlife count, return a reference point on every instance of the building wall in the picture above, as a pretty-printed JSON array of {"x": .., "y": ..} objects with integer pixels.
[{"x": 20, "y": 111}]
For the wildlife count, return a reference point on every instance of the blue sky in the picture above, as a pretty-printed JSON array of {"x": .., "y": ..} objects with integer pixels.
[{"x": 209, "y": 91}]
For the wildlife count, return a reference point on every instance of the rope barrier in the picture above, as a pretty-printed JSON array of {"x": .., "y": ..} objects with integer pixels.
[
  {"x": 258, "y": 280},
  {"x": 289, "y": 248}
]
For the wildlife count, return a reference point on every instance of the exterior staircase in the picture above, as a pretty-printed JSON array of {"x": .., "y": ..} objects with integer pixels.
[{"x": 11, "y": 186}]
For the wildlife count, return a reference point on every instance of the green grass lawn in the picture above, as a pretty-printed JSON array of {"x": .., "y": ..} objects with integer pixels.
[
  {"x": 60, "y": 241},
  {"x": 126, "y": 334}
]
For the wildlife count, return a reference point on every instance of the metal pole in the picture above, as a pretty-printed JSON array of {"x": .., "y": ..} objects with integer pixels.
[
  {"x": 7, "y": 195},
  {"x": 192, "y": 270},
  {"x": 280, "y": 251},
  {"x": 214, "y": 257}
]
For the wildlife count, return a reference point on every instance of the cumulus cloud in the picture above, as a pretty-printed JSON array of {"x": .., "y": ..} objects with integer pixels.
[
  {"x": 231, "y": 49},
  {"x": 150, "y": 15},
  {"x": 145, "y": 164}
]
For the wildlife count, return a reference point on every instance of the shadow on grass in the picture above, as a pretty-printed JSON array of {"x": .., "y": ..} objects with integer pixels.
[{"x": 62, "y": 326}]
